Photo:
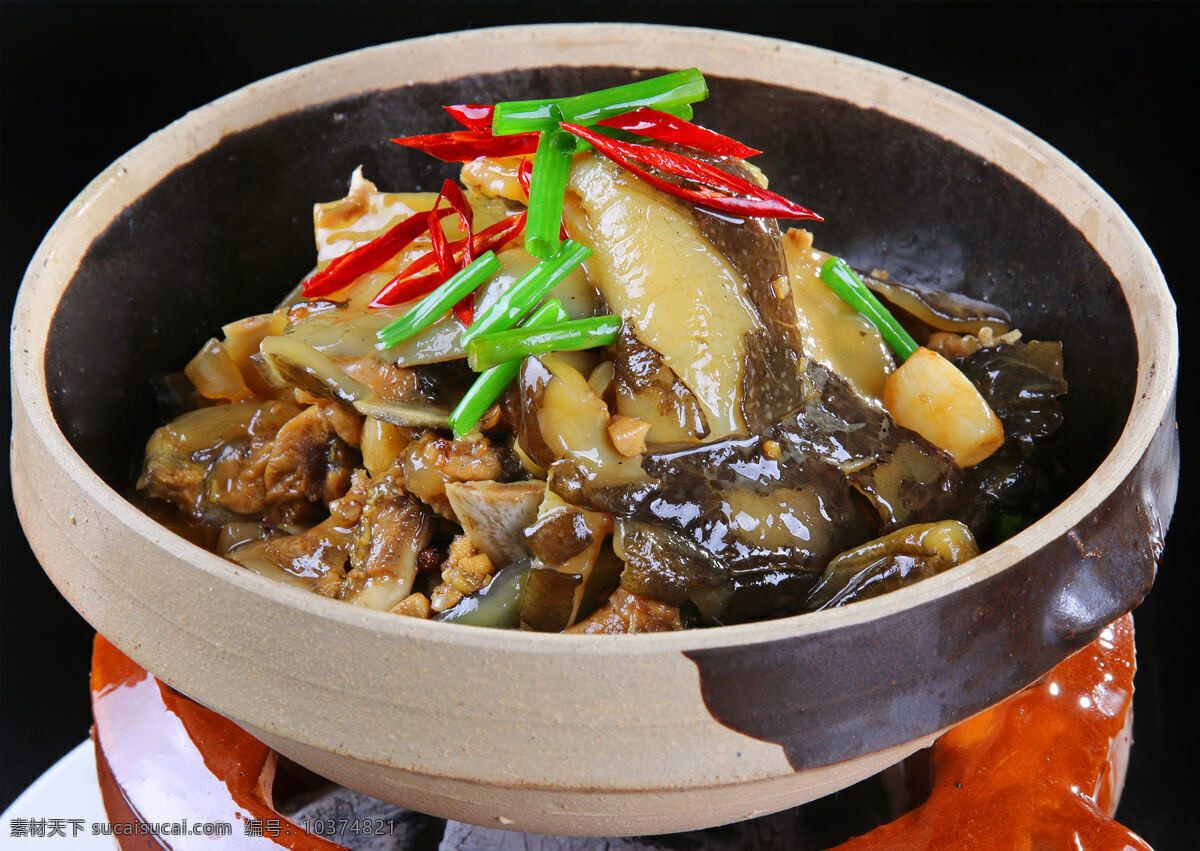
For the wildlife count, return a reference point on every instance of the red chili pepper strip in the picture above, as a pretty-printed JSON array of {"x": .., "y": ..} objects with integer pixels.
[
  {"x": 441, "y": 251},
  {"x": 490, "y": 238},
  {"x": 493, "y": 237},
  {"x": 346, "y": 269},
  {"x": 464, "y": 311},
  {"x": 453, "y": 196},
  {"x": 760, "y": 203},
  {"x": 463, "y": 146},
  {"x": 682, "y": 165},
  {"x": 399, "y": 291},
  {"x": 447, "y": 264},
  {"x": 404, "y": 288},
  {"x": 473, "y": 116},
  {"x": 670, "y": 128},
  {"x": 524, "y": 173}
]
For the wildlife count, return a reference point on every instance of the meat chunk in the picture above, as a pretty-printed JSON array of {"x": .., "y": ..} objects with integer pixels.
[
  {"x": 431, "y": 462},
  {"x": 319, "y": 553},
  {"x": 413, "y": 606},
  {"x": 236, "y": 477},
  {"x": 393, "y": 528},
  {"x": 308, "y": 460},
  {"x": 322, "y": 551},
  {"x": 464, "y": 572},
  {"x": 364, "y": 552},
  {"x": 209, "y": 462},
  {"x": 270, "y": 458},
  {"x": 629, "y": 613},
  {"x": 494, "y": 515},
  {"x": 315, "y": 558}
]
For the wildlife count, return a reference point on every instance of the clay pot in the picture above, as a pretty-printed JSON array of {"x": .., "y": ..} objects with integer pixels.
[{"x": 207, "y": 221}]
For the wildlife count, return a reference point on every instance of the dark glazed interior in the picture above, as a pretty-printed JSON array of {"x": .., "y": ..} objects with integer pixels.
[{"x": 229, "y": 233}]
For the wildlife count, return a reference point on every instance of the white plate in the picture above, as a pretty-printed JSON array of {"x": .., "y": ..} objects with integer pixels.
[{"x": 66, "y": 796}]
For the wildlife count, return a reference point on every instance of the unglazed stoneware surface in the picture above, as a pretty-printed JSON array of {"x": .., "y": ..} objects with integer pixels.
[{"x": 208, "y": 220}]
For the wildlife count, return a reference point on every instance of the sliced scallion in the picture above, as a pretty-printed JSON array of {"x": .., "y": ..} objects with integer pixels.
[
  {"x": 547, "y": 184},
  {"x": 491, "y": 383},
  {"x": 840, "y": 278},
  {"x": 487, "y": 350},
  {"x": 429, "y": 309},
  {"x": 521, "y": 297},
  {"x": 667, "y": 93}
]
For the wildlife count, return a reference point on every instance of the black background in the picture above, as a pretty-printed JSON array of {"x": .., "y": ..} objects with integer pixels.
[{"x": 1112, "y": 85}]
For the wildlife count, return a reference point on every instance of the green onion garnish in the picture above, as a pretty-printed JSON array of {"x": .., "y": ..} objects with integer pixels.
[
  {"x": 547, "y": 184},
  {"x": 666, "y": 93},
  {"x": 490, "y": 384},
  {"x": 840, "y": 278},
  {"x": 488, "y": 350},
  {"x": 429, "y": 309},
  {"x": 521, "y": 297}
]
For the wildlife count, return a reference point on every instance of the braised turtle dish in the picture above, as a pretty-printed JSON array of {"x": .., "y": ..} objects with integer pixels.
[{"x": 599, "y": 387}]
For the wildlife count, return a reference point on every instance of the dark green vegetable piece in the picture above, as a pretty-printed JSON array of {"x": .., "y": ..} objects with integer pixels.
[
  {"x": 893, "y": 561},
  {"x": 497, "y": 604},
  {"x": 1008, "y": 525}
]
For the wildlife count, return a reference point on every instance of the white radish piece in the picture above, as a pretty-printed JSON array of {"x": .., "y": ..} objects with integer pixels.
[{"x": 929, "y": 395}]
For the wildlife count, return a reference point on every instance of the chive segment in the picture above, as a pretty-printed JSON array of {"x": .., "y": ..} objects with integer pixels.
[
  {"x": 431, "y": 308},
  {"x": 547, "y": 186},
  {"x": 490, "y": 384},
  {"x": 666, "y": 93},
  {"x": 521, "y": 297},
  {"x": 840, "y": 278},
  {"x": 487, "y": 350}
]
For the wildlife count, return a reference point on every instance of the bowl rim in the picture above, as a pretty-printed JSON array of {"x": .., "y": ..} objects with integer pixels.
[{"x": 447, "y": 56}]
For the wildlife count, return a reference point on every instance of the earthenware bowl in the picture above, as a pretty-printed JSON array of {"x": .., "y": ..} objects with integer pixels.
[{"x": 207, "y": 220}]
